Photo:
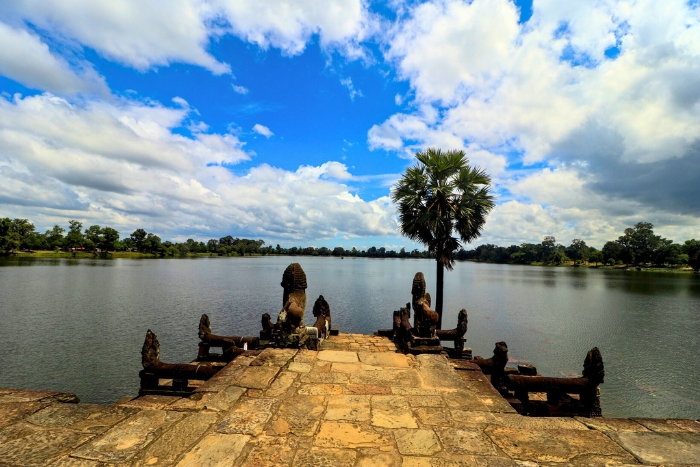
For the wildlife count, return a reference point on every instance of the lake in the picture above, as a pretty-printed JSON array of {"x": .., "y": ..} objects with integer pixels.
[{"x": 78, "y": 325}]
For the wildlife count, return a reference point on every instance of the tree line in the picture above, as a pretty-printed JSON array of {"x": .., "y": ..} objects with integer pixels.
[
  {"x": 21, "y": 235},
  {"x": 638, "y": 246}
]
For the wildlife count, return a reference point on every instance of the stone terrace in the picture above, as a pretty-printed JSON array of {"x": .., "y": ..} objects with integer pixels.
[{"x": 355, "y": 403}]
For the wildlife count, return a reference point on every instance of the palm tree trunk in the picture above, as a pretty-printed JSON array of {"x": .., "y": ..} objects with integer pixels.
[{"x": 438, "y": 292}]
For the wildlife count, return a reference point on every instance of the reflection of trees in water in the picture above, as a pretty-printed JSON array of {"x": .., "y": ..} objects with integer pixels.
[{"x": 650, "y": 283}]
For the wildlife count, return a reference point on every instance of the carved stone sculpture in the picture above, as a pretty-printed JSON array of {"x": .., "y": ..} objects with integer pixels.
[
  {"x": 404, "y": 335},
  {"x": 586, "y": 386},
  {"x": 495, "y": 366},
  {"x": 322, "y": 312},
  {"x": 424, "y": 318},
  {"x": 294, "y": 298},
  {"x": 231, "y": 346},
  {"x": 154, "y": 370},
  {"x": 456, "y": 334}
]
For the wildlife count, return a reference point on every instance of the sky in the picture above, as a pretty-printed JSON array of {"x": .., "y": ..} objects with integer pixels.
[{"x": 290, "y": 120}]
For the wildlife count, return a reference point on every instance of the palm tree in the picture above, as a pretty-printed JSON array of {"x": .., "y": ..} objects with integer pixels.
[{"x": 442, "y": 195}]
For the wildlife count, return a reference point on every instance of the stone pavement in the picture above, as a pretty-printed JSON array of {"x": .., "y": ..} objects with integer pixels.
[{"x": 354, "y": 403}]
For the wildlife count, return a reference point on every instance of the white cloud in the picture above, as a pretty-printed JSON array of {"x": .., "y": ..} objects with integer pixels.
[
  {"x": 239, "y": 89},
  {"x": 545, "y": 92},
  {"x": 347, "y": 82},
  {"x": 289, "y": 24},
  {"x": 122, "y": 164},
  {"x": 262, "y": 130},
  {"x": 26, "y": 59},
  {"x": 141, "y": 35}
]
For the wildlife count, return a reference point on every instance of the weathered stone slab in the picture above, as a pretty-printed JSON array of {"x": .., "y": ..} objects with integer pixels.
[
  {"x": 557, "y": 445},
  {"x": 339, "y": 356},
  {"x": 270, "y": 451},
  {"x": 215, "y": 450},
  {"x": 376, "y": 458},
  {"x": 496, "y": 404},
  {"x": 388, "y": 377},
  {"x": 248, "y": 416},
  {"x": 346, "y": 367},
  {"x": 612, "y": 424},
  {"x": 281, "y": 384},
  {"x": 229, "y": 376},
  {"x": 299, "y": 415},
  {"x": 81, "y": 417},
  {"x": 14, "y": 411},
  {"x": 124, "y": 440},
  {"x": 324, "y": 378},
  {"x": 68, "y": 461},
  {"x": 320, "y": 389},
  {"x": 467, "y": 441},
  {"x": 409, "y": 391},
  {"x": 392, "y": 412},
  {"x": 274, "y": 357},
  {"x": 304, "y": 355},
  {"x": 669, "y": 425},
  {"x": 426, "y": 401},
  {"x": 366, "y": 389},
  {"x": 151, "y": 402},
  {"x": 463, "y": 400},
  {"x": 178, "y": 439},
  {"x": 537, "y": 423},
  {"x": 349, "y": 408},
  {"x": 299, "y": 367},
  {"x": 325, "y": 458},
  {"x": 467, "y": 418},
  {"x": 661, "y": 448},
  {"x": 421, "y": 442},
  {"x": 257, "y": 377},
  {"x": 29, "y": 445},
  {"x": 348, "y": 436},
  {"x": 436, "y": 372},
  {"x": 216, "y": 401},
  {"x": 386, "y": 359},
  {"x": 32, "y": 395},
  {"x": 432, "y": 416}
]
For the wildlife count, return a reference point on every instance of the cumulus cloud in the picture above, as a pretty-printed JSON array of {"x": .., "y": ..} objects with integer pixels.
[
  {"x": 145, "y": 35},
  {"x": 123, "y": 164},
  {"x": 262, "y": 130},
  {"x": 240, "y": 89},
  {"x": 606, "y": 94},
  {"x": 26, "y": 59},
  {"x": 347, "y": 82}
]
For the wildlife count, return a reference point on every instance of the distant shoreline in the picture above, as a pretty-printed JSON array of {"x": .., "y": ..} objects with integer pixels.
[{"x": 137, "y": 255}]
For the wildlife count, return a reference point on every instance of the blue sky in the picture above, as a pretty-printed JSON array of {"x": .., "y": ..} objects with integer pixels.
[{"x": 289, "y": 121}]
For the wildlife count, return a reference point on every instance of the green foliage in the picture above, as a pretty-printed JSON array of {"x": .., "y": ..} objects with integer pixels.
[
  {"x": 692, "y": 249},
  {"x": 439, "y": 197}
]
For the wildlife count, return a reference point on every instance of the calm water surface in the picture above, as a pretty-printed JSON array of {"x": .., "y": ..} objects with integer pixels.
[{"x": 78, "y": 325}]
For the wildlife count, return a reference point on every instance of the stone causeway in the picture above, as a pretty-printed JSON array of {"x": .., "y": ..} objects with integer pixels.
[{"x": 356, "y": 402}]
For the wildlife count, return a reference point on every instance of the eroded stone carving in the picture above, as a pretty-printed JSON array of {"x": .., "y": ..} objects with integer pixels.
[
  {"x": 322, "y": 312},
  {"x": 231, "y": 346},
  {"x": 457, "y": 334},
  {"x": 154, "y": 370},
  {"x": 495, "y": 366},
  {"x": 424, "y": 318}
]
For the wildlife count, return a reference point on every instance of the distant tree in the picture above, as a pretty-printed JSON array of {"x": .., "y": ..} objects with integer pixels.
[
  {"x": 692, "y": 249},
  {"x": 152, "y": 243},
  {"x": 338, "y": 251},
  {"x": 596, "y": 256},
  {"x": 213, "y": 245},
  {"x": 640, "y": 242},
  {"x": 139, "y": 238},
  {"x": 612, "y": 252},
  {"x": 75, "y": 237},
  {"x": 24, "y": 229},
  {"x": 578, "y": 251},
  {"x": 547, "y": 249},
  {"x": 54, "y": 237},
  {"x": 9, "y": 239},
  {"x": 109, "y": 238},
  {"x": 94, "y": 235}
]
